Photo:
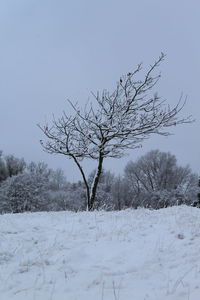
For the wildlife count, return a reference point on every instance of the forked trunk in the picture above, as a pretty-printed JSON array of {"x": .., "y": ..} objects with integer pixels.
[
  {"x": 91, "y": 193},
  {"x": 84, "y": 180}
]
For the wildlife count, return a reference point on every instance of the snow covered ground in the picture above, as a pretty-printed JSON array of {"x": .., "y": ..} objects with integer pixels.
[{"x": 128, "y": 255}]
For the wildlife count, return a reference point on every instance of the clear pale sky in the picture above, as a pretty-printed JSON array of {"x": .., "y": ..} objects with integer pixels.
[{"x": 54, "y": 50}]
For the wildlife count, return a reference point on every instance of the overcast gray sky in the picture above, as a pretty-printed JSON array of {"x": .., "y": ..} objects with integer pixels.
[{"x": 52, "y": 50}]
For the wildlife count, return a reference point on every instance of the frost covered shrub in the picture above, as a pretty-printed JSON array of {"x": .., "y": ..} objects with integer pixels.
[
  {"x": 57, "y": 200},
  {"x": 162, "y": 199},
  {"x": 72, "y": 198},
  {"x": 40, "y": 189},
  {"x": 4, "y": 200},
  {"x": 23, "y": 192}
]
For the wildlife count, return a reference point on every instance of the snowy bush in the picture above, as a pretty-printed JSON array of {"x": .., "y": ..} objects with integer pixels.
[
  {"x": 23, "y": 192},
  {"x": 66, "y": 199}
]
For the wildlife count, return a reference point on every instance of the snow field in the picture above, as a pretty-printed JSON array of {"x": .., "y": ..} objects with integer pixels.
[{"x": 128, "y": 255}]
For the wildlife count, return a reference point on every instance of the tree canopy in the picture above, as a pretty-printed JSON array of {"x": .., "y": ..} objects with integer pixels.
[{"x": 113, "y": 123}]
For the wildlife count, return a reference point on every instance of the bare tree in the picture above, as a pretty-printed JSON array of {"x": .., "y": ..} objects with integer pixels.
[
  {"x": 157, "y": 173},
  {"x": 116, "y": 122},
  {"x": 14, "y": 165}
]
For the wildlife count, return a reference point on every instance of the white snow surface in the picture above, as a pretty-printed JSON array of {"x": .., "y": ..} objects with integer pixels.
[{"x": 128, "y": 255}]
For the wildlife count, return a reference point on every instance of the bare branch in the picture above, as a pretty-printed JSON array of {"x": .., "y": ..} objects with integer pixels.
[{"x": 116, "y": 122}]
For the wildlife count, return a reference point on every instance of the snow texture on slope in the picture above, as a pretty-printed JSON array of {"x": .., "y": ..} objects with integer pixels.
[{"x": 132, "y": 254}]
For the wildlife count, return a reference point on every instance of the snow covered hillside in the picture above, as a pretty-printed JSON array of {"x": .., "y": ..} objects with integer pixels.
[{"x": 128, "y": 255}]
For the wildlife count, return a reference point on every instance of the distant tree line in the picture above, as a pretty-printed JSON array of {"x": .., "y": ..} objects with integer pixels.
[{"x": 153, "y": 181}]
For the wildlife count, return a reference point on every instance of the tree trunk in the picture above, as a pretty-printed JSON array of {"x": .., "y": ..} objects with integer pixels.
[
  {"x": 85, "y": 182},
  {"x": 95, "y": 183}
]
